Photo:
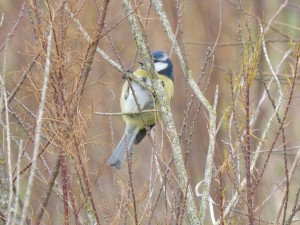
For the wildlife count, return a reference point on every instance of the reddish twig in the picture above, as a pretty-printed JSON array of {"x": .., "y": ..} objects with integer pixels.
[
  {"x": 130, "y": 182},
  {"x": 221, "y": 190},
  {"x": 295, "y": 208},
  {"x": 151, "y": 211},
  {"x": 64, "y": 177},
  {"x": 86, "y": 179},
  {"x": 247, "y": 155},
  {"x": 21, "y": 80},
  {"x": 282, "y": 121},
  {"x": 3, "y": 217},
  {"x": 73, "y": 202},
  {"x": 46, "y": 195},
  {"x": 29, "y": 164},
  {"x": 11, "y": 33}
]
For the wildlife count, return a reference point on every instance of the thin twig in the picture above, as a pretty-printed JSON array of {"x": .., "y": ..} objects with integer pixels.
[
  {"x": 21, "y": 80},
  {"x": 38, "y": 128},
  {"x": 124, "y": 113},
  {"x": 11, "y": 33},
  {"x": 46, "y": 195}
]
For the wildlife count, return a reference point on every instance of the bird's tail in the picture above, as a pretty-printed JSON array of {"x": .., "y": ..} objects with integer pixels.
[{"x": 119, "y": 154}]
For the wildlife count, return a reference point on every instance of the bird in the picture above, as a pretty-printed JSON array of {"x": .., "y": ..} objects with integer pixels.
[{"x": 137, "y": 124}]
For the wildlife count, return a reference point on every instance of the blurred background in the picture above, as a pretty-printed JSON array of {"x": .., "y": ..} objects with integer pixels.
[{"x": 198, "y": 26}]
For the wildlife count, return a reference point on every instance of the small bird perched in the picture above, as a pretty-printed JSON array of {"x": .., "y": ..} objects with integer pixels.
[{"x": 136, "y": 123}]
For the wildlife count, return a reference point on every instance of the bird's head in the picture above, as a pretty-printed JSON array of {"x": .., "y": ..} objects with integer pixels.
[{"x": 162, "y": 64}]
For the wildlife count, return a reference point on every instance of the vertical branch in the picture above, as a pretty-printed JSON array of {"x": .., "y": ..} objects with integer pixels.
[
  {"x": 130, "y": 186},
  {"x": 91, "y": 207},
  {"x": 4, "y": 187},
  {"x": 250, "y": 71},
  {"x": 221, "y": 193},
  {"x": 64, "y": 174},
  {"x": 191, "y": 214},
  {"x": 209, "y": 159},
  {"x": 17, "y": 193},
  {"x": 38, "y": 127},
  {"x": 46, "y": 195},
  {"x": 211, "y": 109},
  {"x": 7, "y": 174},
  {"x": 291, "y": 174},
  {"x": 73, "y": 202},
  {"x": 247, "y": 151}
]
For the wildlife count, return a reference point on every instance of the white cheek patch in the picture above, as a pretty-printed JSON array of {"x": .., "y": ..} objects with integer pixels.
[{"x": 160, "y": 66}]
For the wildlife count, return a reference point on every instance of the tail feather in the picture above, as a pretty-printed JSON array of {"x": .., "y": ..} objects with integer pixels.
[
  {"x": 141, "y": 134},
  {"x": 118, "y": 156}
]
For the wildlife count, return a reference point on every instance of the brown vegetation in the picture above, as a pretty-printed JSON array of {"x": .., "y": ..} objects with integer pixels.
[{"x": 233, "y": 156}]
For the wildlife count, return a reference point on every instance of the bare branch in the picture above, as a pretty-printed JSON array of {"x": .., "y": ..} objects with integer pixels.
[{"x": 38, "y": 127}]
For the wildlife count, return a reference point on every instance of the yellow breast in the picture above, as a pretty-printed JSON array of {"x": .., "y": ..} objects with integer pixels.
[{"x": 145, "y": 99}]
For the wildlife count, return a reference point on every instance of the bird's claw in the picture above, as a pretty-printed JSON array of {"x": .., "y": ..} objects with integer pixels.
[{"x": 125, "y": 76}]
